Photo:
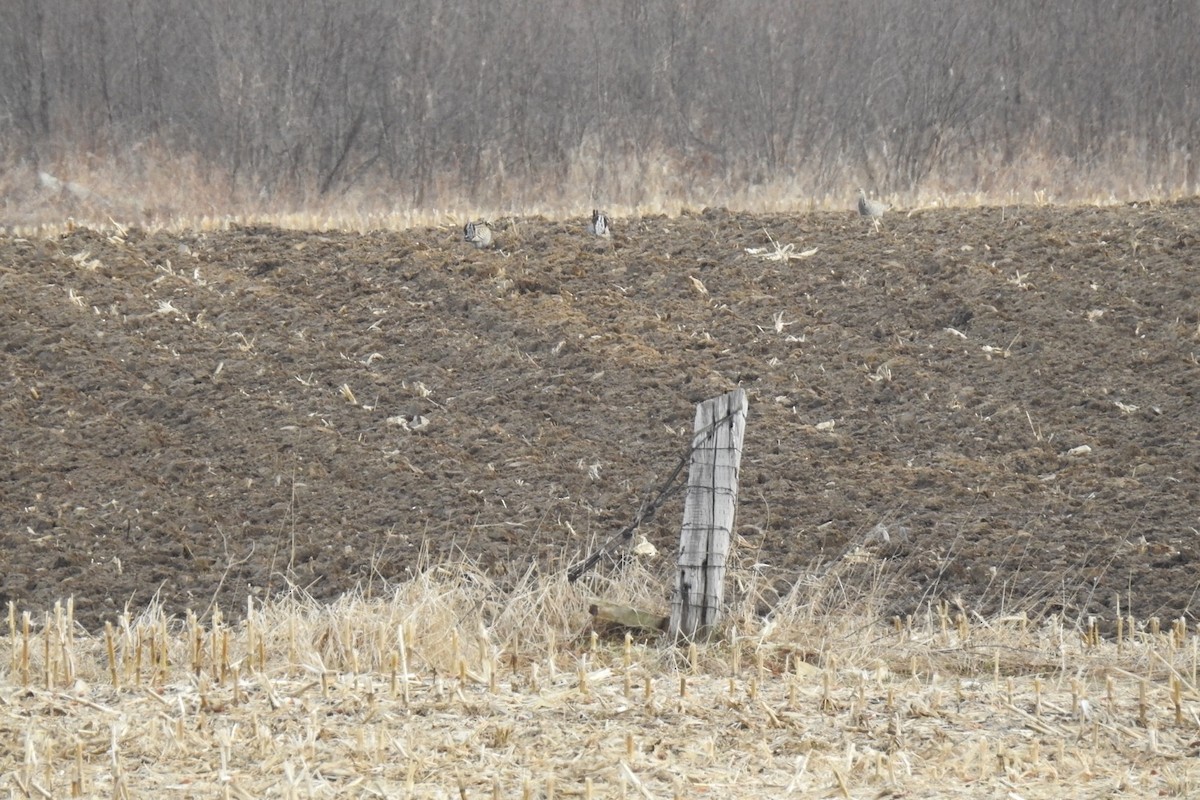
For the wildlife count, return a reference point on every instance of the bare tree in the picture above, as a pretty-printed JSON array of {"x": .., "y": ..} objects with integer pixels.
[{"x": 499, "y": 101}]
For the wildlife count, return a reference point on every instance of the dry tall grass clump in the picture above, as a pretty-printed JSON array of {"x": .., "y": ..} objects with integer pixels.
[
  {"x": 453, "y": 686},
  {"x": 157, "y": 191}
]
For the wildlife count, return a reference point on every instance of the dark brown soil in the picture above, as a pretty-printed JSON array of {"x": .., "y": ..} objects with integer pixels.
[{"x": 175, "y": 423}]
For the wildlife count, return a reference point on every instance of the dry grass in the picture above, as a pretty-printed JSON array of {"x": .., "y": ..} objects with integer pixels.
[
  {"x": 452, "y": 686},
  {"x": 171, "y": 191}
]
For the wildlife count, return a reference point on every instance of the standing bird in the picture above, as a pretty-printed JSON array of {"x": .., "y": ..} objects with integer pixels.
[
  {"x": 600, "y": 224},
  {"x": 870, "y": 208},
  {"x": 478, "y": 234}
]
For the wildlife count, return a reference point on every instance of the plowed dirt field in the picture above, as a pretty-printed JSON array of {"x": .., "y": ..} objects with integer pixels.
[{"x": 995, "y": 405}]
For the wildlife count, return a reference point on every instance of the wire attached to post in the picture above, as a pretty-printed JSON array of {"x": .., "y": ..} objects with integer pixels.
[{"x": 650, "y": 507}]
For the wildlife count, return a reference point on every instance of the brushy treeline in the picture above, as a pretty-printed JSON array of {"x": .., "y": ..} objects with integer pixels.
[{"x": 519, "y": 102}]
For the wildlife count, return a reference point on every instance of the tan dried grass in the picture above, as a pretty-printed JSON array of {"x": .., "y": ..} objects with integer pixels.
[
  {"x": 159, "y": 189},
  {"x": 452, "y": 686}
]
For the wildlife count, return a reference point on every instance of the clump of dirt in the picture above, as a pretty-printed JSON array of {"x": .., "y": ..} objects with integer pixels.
[{"x": 995, "y": 406}]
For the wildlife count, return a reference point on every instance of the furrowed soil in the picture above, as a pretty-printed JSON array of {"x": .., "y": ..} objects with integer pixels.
[{"x": 991, "y": 406}]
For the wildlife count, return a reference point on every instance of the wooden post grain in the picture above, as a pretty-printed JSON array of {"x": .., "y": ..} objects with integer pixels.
[{"x": 708, "y": 515}]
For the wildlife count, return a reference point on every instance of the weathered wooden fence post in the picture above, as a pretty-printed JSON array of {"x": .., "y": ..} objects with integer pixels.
[{"x": 708, "y": 515}]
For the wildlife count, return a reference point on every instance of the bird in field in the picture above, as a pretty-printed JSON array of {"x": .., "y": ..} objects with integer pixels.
[
  {"x": 600, "y": 224},
  {"x": 870, "y": 208},
  {"x": 478, "y": 234}
]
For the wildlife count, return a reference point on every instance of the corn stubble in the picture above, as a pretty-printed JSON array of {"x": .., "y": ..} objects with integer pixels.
[{"x": 394, "y": 695}]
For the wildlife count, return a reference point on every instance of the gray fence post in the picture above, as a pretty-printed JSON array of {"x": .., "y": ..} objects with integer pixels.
[{"x": 708, "y": 515}]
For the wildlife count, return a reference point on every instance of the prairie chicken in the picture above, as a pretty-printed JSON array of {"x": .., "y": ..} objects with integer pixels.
[
  {"x": 870, "y": 208},
  {"x": 478, "y": 234},
  {"x": 600, "y": 224}
]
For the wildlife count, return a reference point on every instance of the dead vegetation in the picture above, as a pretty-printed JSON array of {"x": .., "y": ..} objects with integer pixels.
[
  {"x": 160, "y": 115},
  {"x": 455, "y": 687}
]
